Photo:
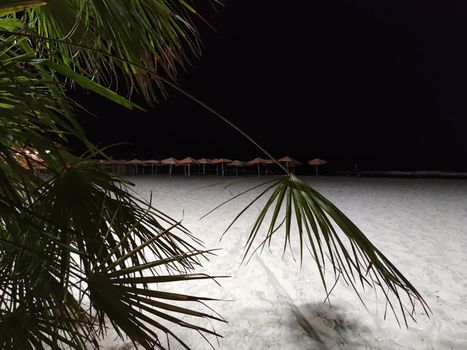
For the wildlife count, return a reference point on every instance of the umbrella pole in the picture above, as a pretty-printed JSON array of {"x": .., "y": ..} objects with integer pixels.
[
  {"x": 204, "y": 169},
  {"x": 170, "y": 169},
  {"x": 222, "y": 166},
  {"x": 316, "y": 171},
  {"x": 266, "y": 170},
  {"x": 189, "y": 173},
  {"x": 259, "y": 171},
  {"x": 152, "y": 169},
  {"x": 287, "y": 164},
  {"x": 236, "y": 171}
]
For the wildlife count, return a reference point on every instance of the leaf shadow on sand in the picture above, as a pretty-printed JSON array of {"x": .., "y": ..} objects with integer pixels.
[
  {"x": 335, "y": 328},
  {"x": 314, "y": 326}
]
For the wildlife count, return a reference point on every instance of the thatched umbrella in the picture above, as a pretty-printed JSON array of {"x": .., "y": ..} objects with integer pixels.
[
  {"x": 258, "y": 162},
  {"x": 268, "y": 161},
  {"x": 221, "y": 161},
  {"x": 188, "y": 161},
  {"x": 237, "y": 164},
  {"x": 135, "y": 162},
  {"x": 152, "y": 163},
  {"x": 170, "y": 162},
  {"x": 317, "y": 162},
  {"x": 204, "y": 161},
  {"x": 288, "y": 161},
  {"x": 119, "y": 166}
]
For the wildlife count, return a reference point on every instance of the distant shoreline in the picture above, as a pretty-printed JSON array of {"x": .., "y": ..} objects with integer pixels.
[{"x": 406, "y": 174}]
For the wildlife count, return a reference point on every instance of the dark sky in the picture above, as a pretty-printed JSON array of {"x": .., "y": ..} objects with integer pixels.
[{"x": 378, "y": 83}]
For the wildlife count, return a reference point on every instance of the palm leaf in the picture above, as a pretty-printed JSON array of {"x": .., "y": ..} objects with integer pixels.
[
  {"x": 135, "y": 310},
  {"x": 59, "y": 228},
  {"x": 89, "y": 84},
  {"x": 330, "y": 237},
  {"x": 94, "y": 240},
  {"x": 154, "y": 33}
]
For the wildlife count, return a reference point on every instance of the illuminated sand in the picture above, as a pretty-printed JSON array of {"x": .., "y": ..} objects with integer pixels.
[{"x": 421, "y": 225}]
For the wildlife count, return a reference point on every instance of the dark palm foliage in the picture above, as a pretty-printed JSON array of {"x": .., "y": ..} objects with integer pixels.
[
  {"x": 151, "y": 33},
  {"x": 76, "y": 247}
]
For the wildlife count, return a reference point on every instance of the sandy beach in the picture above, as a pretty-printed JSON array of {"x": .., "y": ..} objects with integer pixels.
[{"x": 273, "y": 303}]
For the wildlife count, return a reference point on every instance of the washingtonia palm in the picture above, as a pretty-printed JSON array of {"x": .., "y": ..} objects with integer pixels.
[{"x": 76, "y": 247}]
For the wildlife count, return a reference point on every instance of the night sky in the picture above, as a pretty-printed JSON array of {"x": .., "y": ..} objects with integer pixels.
[{"x": 378, "y": 83}]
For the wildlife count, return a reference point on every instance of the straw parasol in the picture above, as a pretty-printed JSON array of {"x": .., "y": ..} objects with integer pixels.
[
  {"x": 237, "y": 164},
  {"x": 152, "y": 163},
  {"x": 221, "y": 161},
  {"x": 204, "y": 161},
  {"x": 120, "y": 166},
  {"x": 288, "y": 161},
  {"x": 188, "y": 161},
  {"x": 258, "y": 162},
  {"x": 317, "y": 162},
  {"x": 170, "y": 162},
  {"x": 135, "y": 162},
  {"x": 268, "y": 161}
]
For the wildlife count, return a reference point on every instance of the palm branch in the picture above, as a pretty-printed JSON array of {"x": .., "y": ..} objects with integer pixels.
[
  {"x": 76, "y": 246},
  {"x": 330, "y": 237},
  {"x": 158, "y": 34}
]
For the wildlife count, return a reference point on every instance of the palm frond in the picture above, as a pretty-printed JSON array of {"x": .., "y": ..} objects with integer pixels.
[
  {"x": 36, "y": 307},
  {"x": 331, "y": 238},
  {"x": 154, "y": 34},
  {"x": 123, "y": 295},
  {"x": 83, "y": 239},
  {"x": 60, "y": 228}
]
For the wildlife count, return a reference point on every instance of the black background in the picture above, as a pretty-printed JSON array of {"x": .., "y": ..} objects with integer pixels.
[{"x": 378, "y": 83}]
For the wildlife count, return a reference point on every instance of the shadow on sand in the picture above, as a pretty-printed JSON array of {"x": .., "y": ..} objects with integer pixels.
[{"x": 335, "y": 328}]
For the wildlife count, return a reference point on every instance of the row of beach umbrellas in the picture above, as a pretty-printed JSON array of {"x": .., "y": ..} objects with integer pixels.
[{"x": 188, "y": 162}]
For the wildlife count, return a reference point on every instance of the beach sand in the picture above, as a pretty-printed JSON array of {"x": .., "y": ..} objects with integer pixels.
[{"x": 273, "y": 303}]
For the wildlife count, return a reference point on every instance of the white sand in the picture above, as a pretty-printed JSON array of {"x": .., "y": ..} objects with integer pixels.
[{"x": 420, "y": 225}]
